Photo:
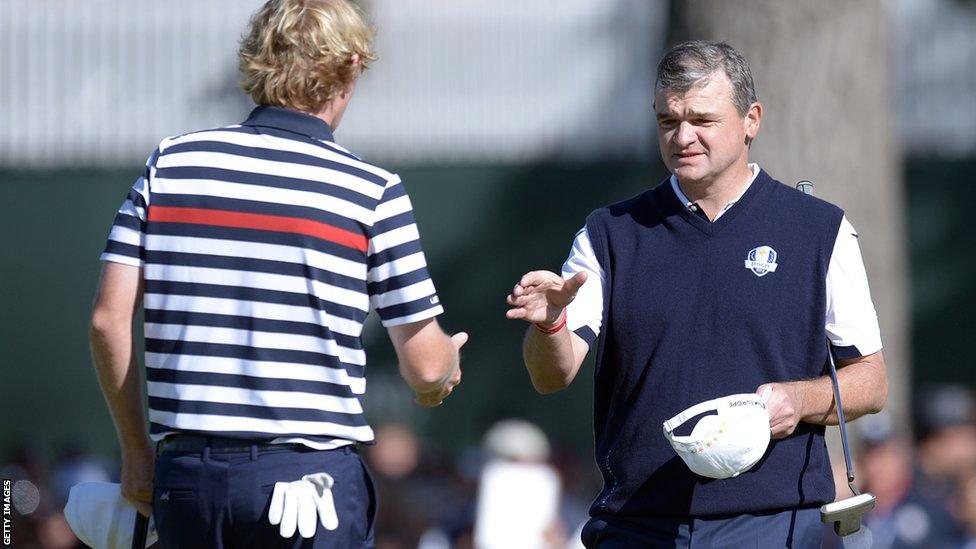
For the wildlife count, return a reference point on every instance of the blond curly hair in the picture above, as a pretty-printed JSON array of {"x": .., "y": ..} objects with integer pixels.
[{"x": 299, "y": 53}]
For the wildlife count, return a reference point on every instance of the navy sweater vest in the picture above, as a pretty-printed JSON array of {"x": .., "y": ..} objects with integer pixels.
[{"x": 685, "y": 320}]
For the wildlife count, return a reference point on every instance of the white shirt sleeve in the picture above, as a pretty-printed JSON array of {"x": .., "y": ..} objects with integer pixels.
[
  {"x": 852, "y": 323},
  {"x": 127, "y": 239},
  {"x": 584, "y": 316}
]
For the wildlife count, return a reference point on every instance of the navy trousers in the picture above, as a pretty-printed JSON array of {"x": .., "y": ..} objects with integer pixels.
[
  {"x": 220, "y": 500},
  {"x": 799, "y": 529}
]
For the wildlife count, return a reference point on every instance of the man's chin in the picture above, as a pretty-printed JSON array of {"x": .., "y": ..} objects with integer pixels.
[{"x": 688, "y": 173}]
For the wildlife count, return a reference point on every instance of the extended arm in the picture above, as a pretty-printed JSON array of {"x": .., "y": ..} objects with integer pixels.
[
  {"x": 118, "y": 298},
  {"x": 552, "y": 359}
]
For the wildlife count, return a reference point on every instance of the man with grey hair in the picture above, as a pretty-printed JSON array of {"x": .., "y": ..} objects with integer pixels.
[{"x": 720, "y": 281}]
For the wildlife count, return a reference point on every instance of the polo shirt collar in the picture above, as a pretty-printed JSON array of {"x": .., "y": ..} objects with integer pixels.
[
  {"x": 692, "y": 206},
  {"x": 289, "y": 120}
]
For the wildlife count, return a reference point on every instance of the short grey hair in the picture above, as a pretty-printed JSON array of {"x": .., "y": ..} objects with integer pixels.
[{"x": 690, "y": 64}]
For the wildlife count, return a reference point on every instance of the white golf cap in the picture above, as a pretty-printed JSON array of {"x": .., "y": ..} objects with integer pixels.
[
  {"x": 726, "y": 443},
  {"x": 101, "y": 517}
]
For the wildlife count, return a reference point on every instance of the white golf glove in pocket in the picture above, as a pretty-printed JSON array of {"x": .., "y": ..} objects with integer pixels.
[{"x": 296, "y": 504}]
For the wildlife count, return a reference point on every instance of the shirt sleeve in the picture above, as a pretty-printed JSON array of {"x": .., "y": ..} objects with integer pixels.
[
  {"x": 852, "y": 323},
  {"x": 400, "y": 288},
  {"x": 584, "y": 316},
  {"x": 127, "y": 239}
]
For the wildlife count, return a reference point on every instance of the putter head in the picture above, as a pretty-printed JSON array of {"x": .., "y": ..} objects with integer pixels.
[{"x": 846, "y": 513}]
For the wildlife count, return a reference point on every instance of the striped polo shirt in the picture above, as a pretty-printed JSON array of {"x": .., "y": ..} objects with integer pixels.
[{"x": 263, "y": 247}]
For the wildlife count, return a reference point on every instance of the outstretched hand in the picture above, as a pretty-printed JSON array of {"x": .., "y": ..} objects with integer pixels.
[{"x": 541, "y": 296}]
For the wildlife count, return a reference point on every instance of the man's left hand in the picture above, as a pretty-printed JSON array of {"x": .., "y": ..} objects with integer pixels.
[{"x": 785, "y": 407}]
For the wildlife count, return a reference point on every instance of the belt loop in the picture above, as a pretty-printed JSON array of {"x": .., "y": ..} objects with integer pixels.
[
  {"x": 254, "y": 452},
  {"x": 206, "y": 449}
]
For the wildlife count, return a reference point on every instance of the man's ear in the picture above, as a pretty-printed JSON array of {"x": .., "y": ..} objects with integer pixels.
[
  {"x": 752, "y": 121},
  {"x": 354, "y": 61}
]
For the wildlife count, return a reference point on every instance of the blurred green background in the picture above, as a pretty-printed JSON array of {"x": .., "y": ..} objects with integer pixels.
[{"x": 482, "y": 226}]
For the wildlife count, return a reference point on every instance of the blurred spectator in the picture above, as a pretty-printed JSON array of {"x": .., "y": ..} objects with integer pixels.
[
  {"x": 519, "y": 490},
  {"x": 517, "y": 440},
  {"x": 397, "y": 454},
  {"x": 905, "y": 516},
  {"x": 415, "y": 489},
  {"x": 946, "y": 436},
  {"x": 580, "y": 484},
  {"x": 53, "y": 532},
  {"x": 965, "y": 508}
]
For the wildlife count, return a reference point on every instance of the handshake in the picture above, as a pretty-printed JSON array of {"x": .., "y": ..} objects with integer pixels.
[{"x": 296, "y": 504}]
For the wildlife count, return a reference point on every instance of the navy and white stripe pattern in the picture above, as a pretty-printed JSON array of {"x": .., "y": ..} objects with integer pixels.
[{"x": 263, "y": 247}]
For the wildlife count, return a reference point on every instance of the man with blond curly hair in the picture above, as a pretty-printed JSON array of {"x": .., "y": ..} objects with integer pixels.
[{"x": 257, "y": 251}]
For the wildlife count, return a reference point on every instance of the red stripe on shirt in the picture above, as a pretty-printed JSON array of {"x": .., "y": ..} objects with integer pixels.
[{"x": 241, "y": 220}]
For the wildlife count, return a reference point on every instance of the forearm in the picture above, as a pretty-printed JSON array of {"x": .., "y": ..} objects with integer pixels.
[
  {"x": 863, "y": 386},
  {"x": 117, "y": 369},
  {"x": 550, "y": 359}
]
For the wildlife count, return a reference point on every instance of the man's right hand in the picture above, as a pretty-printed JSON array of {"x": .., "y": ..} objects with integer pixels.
[
  {"x": 541, "y": 296},
  {"x": 553, "y": 355},
  {"x": 436, "y": 398},
  {"x": 138, "y": 466},
  {"x": 430, "y": 361}
]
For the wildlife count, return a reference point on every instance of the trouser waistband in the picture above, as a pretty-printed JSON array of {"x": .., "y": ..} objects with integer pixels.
[{"x": 189, "y": 444}]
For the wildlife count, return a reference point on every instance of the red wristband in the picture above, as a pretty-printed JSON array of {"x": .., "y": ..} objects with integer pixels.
[{"x": 558, "y": 326}]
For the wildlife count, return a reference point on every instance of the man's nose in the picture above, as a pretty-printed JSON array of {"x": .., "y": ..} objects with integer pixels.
[{"x": 684, "y": 135}]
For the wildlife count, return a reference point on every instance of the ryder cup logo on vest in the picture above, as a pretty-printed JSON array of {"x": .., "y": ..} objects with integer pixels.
[{"x": 761, "y": 260}]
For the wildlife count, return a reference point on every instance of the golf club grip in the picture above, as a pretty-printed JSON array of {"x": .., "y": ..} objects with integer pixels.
[{"x": 139, "y": 531}]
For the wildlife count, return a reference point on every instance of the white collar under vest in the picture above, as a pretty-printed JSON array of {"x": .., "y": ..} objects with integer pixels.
[{"x": 694, "y": 207}]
